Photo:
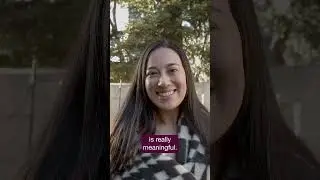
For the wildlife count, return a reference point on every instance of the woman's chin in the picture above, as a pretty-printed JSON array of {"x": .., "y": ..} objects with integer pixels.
[{"x": 167, "y": 107}]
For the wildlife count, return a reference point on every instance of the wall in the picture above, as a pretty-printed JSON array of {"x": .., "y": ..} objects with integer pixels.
[{"x": 297, "y": 88}]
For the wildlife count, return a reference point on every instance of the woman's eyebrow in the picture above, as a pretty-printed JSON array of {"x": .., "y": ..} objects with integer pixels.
[
  {"x": 168, "y": 65},
  {"x": 172, "y": 64},
  {"x": 152, "y": 67}
]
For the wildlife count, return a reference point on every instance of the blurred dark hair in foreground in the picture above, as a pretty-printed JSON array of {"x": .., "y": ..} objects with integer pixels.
[
  {"x": 74, "y": 146},
  {"x": 259, "y": 143}
]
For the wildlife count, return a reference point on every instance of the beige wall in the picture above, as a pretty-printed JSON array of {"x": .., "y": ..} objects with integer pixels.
[
  {"x": 119, "y": 91},
  {"x": 297, "y": 89}
]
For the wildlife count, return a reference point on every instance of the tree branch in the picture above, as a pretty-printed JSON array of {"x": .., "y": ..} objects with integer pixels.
[{"x": 114, "y": 10}]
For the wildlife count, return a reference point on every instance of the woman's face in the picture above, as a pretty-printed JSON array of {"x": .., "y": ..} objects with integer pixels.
[{"x": 165, "y": 81}]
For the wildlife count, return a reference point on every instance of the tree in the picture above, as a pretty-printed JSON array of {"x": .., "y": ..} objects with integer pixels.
[
  {"x": 185, "y": 22},
  {"x": 294, "y": 31},
  {"x": 39, "y": 30}
]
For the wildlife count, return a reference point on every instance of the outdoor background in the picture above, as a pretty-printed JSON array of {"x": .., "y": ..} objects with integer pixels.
[
  {"x": 140, "y": 24},
  {"x": 41, "y": 31}
]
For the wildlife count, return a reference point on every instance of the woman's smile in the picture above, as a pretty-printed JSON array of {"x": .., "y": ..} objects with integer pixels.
[{"x": 165, "y": 94}]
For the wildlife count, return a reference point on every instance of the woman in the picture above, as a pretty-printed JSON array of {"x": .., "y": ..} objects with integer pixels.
[
  {"x": 162, "y": 100},
  {"x": 255, "y": 142}
]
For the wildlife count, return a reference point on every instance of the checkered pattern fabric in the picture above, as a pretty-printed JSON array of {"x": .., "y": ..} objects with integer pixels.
[{"x": 189, "y": 163}]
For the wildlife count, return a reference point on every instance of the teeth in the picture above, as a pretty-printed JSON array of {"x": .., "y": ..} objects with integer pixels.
[{"x": 166, "y": 94}]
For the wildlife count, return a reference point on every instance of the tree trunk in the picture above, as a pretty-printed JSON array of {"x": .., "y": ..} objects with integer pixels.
[{"x": 175, "y": 32}]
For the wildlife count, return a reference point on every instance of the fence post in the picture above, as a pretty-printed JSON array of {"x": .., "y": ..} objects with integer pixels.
[
  {"x": 297, "y": 109},
  {"x": 32, "y": 102},
  {"x": 202, "y": 98},
  {"x": 120, "y": 87}
]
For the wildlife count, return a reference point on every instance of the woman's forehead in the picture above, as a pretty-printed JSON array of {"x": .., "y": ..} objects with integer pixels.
[{"x": 163, "y": 57}]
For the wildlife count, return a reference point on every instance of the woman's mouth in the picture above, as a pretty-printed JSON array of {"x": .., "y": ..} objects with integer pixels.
[{"x": 166, "y": 93}]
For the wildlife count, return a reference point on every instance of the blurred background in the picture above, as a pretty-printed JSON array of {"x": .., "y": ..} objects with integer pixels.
[{"x": 35, "y": 36}]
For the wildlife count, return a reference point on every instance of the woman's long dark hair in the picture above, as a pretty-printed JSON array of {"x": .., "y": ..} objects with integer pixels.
[
  {"x": 259, "y": 142},
  {"x": 74, "y": 146},
  {"x": 136, "y": 116}
]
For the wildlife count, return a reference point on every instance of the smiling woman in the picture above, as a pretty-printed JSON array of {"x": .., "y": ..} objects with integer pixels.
[
  {"x": 166, "y": 80},
  {"x": 161, "y": 101}
]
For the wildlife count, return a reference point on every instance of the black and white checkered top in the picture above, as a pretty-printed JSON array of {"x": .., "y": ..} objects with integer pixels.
[{"x": 190, "y": 162}]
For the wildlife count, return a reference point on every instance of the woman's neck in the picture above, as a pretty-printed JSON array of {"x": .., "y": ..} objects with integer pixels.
[
  {"x": 167, "y": 117},
  {"x": 166, "y": 121}
]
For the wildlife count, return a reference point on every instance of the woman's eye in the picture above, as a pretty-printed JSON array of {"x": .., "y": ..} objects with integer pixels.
[
  {"x": 173, "y": 70},
  {"x": 151, "y": 73}
]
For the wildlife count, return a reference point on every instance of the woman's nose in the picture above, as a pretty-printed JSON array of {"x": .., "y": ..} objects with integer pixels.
[{"x": 164, "y": 80}]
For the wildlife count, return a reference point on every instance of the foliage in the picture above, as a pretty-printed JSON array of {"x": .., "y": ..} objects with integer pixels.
[
  {"x": 45, "y": 31},
  {"x": 153, "y": 20},
  {"x": 295, "y": 31},
  {"x": 38, "y": 30}
]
